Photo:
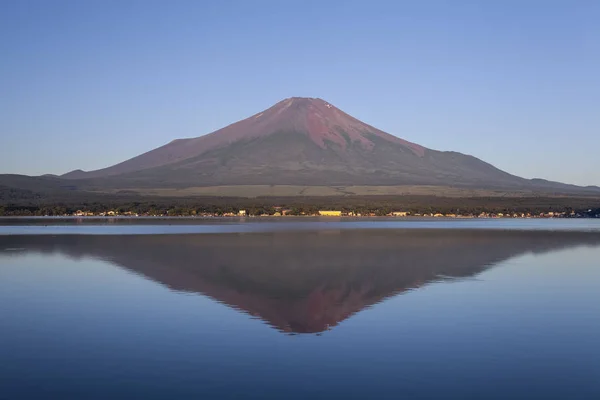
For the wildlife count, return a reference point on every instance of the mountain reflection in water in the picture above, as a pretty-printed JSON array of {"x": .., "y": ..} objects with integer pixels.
[{"x": 305, "y": 282}]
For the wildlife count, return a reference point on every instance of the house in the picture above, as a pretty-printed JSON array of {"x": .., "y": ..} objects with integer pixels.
[
  {"x": 399, "y": 213},
  {"x": 242, "y": 213},
  {"x": 325, "y": 213}
]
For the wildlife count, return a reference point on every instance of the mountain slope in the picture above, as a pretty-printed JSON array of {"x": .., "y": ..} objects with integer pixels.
[{"x": 302, "y": 141}]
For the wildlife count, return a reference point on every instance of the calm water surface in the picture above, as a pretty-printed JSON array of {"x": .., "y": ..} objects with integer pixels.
[
  {"x": 274, "y": 312},
  {"x": 157, "y": 225}
]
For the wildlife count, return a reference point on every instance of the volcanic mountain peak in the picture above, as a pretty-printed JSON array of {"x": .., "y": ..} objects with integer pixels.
[
  {"x": 324, "y": 124},
  {"x": 316, "y": 118},
  {"x": 306, "y": 142}
]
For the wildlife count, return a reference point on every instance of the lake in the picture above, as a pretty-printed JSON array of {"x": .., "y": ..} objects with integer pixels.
[{"x": 299, "y": 309}]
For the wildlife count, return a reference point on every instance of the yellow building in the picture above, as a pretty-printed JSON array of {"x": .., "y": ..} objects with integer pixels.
[
  {"x": 400, "y": 213},
  {"x": 324, "y": 213},
  {"x": 242, "y": 213}
]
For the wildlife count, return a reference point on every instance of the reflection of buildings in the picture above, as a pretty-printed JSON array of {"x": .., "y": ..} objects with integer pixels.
[{"x": 305, "y": 282}]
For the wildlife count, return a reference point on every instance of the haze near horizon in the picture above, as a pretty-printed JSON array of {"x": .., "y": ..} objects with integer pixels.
[{"x": 88, "y": 85}]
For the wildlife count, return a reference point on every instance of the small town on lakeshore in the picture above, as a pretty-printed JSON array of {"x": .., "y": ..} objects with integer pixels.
[
  {"x": 295, "y": 212},
  {"x": 339, "y": 213}
]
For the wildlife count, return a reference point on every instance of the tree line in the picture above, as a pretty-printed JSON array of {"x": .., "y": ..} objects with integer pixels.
[{"x": 365, "y": 205}]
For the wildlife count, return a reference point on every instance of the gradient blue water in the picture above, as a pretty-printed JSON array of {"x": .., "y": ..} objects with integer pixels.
[{"x": 74, "y": 324}]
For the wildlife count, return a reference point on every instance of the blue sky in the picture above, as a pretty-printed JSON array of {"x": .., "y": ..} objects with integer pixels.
[{"x": 87, "y": 84}]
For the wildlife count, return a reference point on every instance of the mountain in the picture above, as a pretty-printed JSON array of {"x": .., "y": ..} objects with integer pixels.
[
  {"x": 298, "y": 147},
  {"x": 303, "y": 282},
  {"x": 303, "y": 141}
]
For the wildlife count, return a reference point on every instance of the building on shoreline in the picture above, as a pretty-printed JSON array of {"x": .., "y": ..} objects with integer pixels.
[{"x": 326, "y": 213}]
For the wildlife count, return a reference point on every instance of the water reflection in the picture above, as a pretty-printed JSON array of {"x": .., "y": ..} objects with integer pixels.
[{"x": 303, "y": 282}]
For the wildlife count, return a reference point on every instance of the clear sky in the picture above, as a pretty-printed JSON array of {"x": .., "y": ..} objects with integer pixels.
[{"x": 87, "y": 84}]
